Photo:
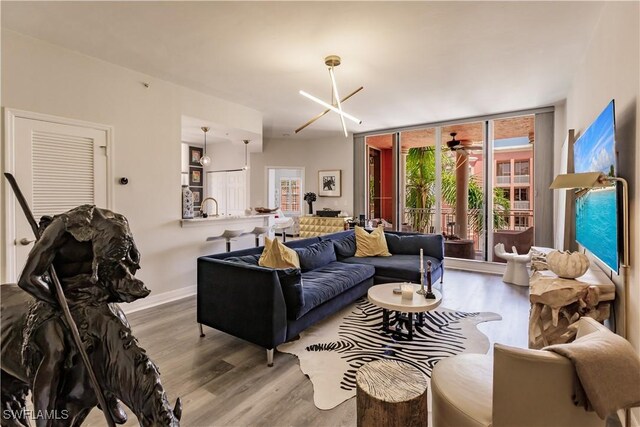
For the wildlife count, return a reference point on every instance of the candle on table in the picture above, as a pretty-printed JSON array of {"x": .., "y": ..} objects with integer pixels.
[
  {"x": 421, "y": 261},
  {"x": 407, "y": 291}
]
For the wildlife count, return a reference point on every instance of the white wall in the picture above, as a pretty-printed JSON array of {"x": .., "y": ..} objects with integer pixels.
[
  {"x": 313, "y": 155},
  {"x": 610, "y": 70},
  {"x": 44, "y": 78}
]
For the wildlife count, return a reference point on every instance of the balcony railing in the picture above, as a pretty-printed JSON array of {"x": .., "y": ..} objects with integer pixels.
[
  {"x": 503, "y": 179},
  {"x": 423, "y": 221},
  {"x": 521, "y": 179},
  {"x": 522, "y": 205}
]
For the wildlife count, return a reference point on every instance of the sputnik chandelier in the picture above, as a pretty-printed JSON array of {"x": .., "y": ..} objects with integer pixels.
[{"x": 332, "y": 61}]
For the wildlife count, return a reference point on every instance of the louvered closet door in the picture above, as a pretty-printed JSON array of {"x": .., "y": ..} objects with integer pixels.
[{"x": 58, "y": 167}]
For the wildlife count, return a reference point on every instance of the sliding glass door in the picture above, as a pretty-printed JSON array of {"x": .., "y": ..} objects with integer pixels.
[{"x": 471, "y": 181}]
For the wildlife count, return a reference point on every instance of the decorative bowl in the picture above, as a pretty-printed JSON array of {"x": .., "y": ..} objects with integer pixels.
[
  {"x": 265, "y": 210},
  {"x": 567, "y": 265}
]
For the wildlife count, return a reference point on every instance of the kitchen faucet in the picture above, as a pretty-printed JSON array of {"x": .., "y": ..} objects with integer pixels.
[{"x": 202, "y": 211}]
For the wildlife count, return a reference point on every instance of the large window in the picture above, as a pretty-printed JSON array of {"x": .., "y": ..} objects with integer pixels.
[{"x": 471, "y": 181}]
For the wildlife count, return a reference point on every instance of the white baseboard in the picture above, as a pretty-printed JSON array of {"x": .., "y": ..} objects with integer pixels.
[
  {"x": 475, "y": 266},
  {"x": 163, "y": 298}
]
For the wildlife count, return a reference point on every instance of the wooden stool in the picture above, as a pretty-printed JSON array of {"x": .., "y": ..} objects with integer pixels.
[{"x": 391, "y": 393}]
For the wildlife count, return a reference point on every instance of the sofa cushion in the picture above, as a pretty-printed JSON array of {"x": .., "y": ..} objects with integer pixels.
[
  {"x": 316, "y": 255},
  {"x": 401, "y": 267},
  {"x": 277, "y": 255},
  {"x": 345, "y": 247},
  {"x": 292, "y": 290},
  {"x": 371, "y": 244},
  {"x": 301, "y": 243},
  {"x": 432, "y": 244},
  {"x": 324, "y": 283}
]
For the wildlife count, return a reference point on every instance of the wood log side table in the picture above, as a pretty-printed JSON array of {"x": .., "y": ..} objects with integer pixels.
[
  {"x": 557, "y": 304},
  {"x": 391, "y": 393}
]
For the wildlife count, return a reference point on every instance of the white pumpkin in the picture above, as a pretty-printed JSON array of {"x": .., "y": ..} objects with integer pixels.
[{"x": 567, "y": 265}]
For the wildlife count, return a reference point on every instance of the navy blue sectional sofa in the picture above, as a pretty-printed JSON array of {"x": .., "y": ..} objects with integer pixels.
[{"x": 268, "y": 306}]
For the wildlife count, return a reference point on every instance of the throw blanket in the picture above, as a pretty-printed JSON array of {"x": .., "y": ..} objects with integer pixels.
[{"x": 608, "y": 369}]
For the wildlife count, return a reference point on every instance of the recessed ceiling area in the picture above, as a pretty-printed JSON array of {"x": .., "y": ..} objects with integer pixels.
[{"x": 419, "y": 62}]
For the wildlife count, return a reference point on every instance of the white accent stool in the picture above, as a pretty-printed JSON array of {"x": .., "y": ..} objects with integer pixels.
[
  {"x": 281, "y": 225},
  {"x": 259, "y": 231},
  {"x": 227, "y": 235},
  {"x": 516, "y": 272}
]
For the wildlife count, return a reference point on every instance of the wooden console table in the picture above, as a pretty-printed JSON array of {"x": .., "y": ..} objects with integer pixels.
[
  {"x": 312, "y": 226},
  {"x": 557, "y": 304}
]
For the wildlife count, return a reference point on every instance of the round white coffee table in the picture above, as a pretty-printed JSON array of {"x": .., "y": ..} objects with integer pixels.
[{"x": 383, "y": 296}]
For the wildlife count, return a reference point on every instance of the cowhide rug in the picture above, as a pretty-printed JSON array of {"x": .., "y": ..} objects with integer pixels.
[{"x": 331, "y": 351}]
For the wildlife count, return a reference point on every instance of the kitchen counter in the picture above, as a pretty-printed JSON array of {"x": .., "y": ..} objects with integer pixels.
[{"x": 241, "y": 220}]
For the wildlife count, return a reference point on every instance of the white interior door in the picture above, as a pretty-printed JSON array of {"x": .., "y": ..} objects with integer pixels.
[{"x": 58, "y": 167}]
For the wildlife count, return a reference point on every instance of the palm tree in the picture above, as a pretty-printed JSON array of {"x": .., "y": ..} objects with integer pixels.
[{"x": 420, "y": 190}]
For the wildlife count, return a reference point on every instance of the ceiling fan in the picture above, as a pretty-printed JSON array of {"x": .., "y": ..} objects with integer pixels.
[{"x": 461, "y": 145}]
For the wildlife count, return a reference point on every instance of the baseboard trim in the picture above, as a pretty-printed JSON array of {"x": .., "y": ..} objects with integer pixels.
[
  {"x": 163, "y": 298},
  {"x": 475, "y": 266}
]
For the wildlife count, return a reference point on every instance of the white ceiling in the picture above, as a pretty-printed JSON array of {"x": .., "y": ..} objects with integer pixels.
[{"x": 418, "y": 61}]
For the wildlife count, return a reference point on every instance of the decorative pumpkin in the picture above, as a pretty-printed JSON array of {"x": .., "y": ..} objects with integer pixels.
[{"x": 567, "y": 265}]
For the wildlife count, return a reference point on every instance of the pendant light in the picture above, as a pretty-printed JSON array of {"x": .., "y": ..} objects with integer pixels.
[
  {"x": 331, "y": 62},
  {"x": 246, "y": 144},
  {"x": 205, "y": 160}
]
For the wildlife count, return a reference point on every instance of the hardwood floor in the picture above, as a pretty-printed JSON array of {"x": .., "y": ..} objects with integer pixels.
[{"x": 224, "y": 381}]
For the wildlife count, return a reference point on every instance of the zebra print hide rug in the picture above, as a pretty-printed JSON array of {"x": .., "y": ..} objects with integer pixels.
[{"x": 331, "y": 351}]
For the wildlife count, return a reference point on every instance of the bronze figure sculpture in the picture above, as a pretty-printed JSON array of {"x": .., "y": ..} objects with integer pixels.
[{"x": 95, "y": 258}]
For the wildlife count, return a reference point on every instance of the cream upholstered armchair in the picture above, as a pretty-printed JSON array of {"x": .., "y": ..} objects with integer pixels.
[{"x": 514, "y": 388}]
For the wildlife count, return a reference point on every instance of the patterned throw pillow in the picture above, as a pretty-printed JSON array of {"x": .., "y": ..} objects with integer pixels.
[
  {"x": 277, "y": 255},
  {"x": 371, "y": 244}
]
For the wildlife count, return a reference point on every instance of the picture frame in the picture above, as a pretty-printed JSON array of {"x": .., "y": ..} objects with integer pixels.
[
  {"x": 330, "y": 183},
  {"x": 195, "y": 154},
  {"x": 195, "y": 177},
  {"x": 197, "y": 196}
]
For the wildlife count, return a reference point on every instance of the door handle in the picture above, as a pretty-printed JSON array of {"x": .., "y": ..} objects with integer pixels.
[{"x": 24, "y": 241}]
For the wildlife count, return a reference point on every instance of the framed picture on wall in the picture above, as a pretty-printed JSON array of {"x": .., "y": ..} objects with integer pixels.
[
  {"x": 195, "y": 154},
  {"x": 195, "y": 177},
  {"x": 197, "y": 196},
  {"x": 330, "y": 183}
]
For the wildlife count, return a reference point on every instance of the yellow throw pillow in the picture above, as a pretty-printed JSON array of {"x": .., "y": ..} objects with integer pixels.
[
  {"x": 371, "y": 244},
  {"x": 277, "y": 255}
]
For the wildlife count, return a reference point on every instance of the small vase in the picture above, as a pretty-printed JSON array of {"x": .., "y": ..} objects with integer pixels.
[
  {"x": 187, "y": 202},
  {"x": 310, "y": 208}
]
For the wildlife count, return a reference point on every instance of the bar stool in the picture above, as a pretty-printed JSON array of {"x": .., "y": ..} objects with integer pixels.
[
  {"x": 282, "y": 226},
  {"x": 227, "y": 235},
  {"x": 257, "y": 232}
]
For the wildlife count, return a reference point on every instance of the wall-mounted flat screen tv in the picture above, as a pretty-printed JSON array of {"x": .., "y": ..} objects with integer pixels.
[{"x": 597, "y": 208}]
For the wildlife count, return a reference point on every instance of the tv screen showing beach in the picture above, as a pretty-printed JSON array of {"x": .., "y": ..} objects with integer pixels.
[{"x": 596, "y": 209}]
